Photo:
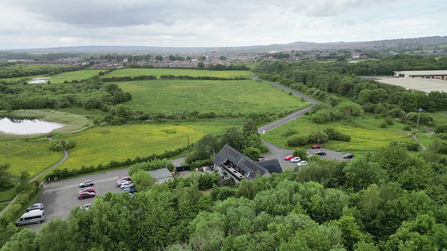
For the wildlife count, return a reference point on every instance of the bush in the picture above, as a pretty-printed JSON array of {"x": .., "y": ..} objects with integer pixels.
[
  {"x": 441, "y": 129},
  {"x": 407, "y": 128},
  {"x": 389, "y": 121},
  {"x": 300, "y": 152},
  {"x": 384, "y": 124},
  {"x": 442, "y": 135},
  {"x": 296, "y": 140},
  {"x": 289, "y": 132},
  {"x": 55, "y": 146},
  {"x": 336, "y": 135},
  {"x": 412, "y": 146}
]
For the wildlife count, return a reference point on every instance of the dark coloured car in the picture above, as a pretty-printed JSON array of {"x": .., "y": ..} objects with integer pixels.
[
  {"x": 129, "y": 190},
  {"x": 37, "y": 206},
  {"x": 348, "y": 156},
  {"x": 88, "y": 189},
  {"x": 316, "y": 146},
  {"x": 85, "y": 195},
  {"x": 320, "y": 153},
  {"x": 86, "y": 183}
]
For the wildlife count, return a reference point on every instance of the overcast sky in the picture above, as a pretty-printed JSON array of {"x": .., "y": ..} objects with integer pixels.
[{"x": 214, "y": 23}]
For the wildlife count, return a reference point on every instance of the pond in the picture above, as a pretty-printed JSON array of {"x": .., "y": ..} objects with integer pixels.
[
  {"x": 26, "y": 126},
  {"x": 39, "y": 80}
]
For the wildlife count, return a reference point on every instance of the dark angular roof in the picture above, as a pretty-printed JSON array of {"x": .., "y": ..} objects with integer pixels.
[
  {"x": 272, "y": 165},
  {"x": 237, "y": 158}
]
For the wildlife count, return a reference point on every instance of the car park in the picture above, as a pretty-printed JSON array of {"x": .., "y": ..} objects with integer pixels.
[
  {"x": 129, "y": 190},
  {"x": 348, "y": 156},
  {"x": 88, "y": 189},
  {"x": 289, "y": 157},
  {"x": 302, "y": 163},
  {"x": 86, "y": 206},
  {"x": 37, "y": 206},
  {"x": 86, "y": 183},
  {"x": 120, "y": 182},
  {"x": 85, "y": 195},
  {"x": 34, "y": 216},
  {"x": 316, "y": 146},
  {"x": 320, "y": 153},
  {"x": 127, "y": 185},
  {"x": 295, "y": 160}
]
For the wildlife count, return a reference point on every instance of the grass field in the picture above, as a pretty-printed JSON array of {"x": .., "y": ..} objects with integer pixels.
[
  {"x": 3, "y": 206},
  {"x": 221, "y": 97},
  {"x": 72, "y": 122},
  {"x": 85, "y": 74},
  {"x": 158, "y": 72},
  {"x": 439, "y": 117},
  {"x": 32, "y": 67},
  {"x": 7, "y": 195},
  {"x": 100, "y": 145},
  {"x": 32, "y": 155},
  {"x": 367, "y": 137}
]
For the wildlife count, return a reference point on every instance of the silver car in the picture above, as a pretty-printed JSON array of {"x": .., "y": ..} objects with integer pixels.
[
  {"x": 128, "y": 184},
  {"x": 35, "y": 216}
]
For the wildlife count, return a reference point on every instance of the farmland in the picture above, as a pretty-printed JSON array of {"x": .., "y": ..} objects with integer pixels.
[
  {"x": 221, "y": 97},
  {"x": 366, "y": 134}
]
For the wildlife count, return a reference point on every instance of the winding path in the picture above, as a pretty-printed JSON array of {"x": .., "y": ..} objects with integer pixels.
[
  {"x": 35, "y": 178},
  {"x": 414, "y": 136},
  {"x": 292, "y": 116}
]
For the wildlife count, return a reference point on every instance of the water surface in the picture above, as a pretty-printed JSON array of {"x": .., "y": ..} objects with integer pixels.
[{"x": 27, "y": 126}]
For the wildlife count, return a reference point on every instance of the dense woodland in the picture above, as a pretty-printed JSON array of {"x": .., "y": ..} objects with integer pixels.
[
  {"x": 91, "y": 94},
  {"x": 24, "y": 70}
]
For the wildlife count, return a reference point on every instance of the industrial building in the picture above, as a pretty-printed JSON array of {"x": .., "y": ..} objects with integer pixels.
[{"x": 438, "y": 74}]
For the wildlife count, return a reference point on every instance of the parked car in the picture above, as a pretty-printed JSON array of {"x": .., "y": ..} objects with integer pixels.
[
  {"x": 86, "y": 183},
  {"x": 86, "y": 206},
  {"x": 37, "y": 206},
  {"x": 295, "y": 160},
  {"x": 129, "y": 190},
  {"x": 85, "y": 195},
  {"x": 34, "y": 216},
  {"x": 120, "y": 182},
  {"x": 261, "y": 158},
  {"x": 209, "y": 170},
  {"x": 320, "y": 153},
  {"x": 128, "y": 184},
  {"x": 88, "y": 189},
  {"x": 302, "y": 163},
  {"x": 348, "y": 156},
  {"x": 289, "y": 157},
  {"x": 316, "y": 146}
]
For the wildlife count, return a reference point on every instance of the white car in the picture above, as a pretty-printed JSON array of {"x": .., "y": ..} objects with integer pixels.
[
  {"x": 302, "y": 163},
  {"x": 296, "y": 159},
  {"x": 127, "y": 185}
]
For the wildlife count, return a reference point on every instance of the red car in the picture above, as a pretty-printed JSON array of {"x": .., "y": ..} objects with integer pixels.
[
  {"x": 85, "y": 195},
  {"x": 88, "y": 190},
  {"x": 289, "y": 157},
  {"x": 316, "y": 146},
  {"x": 126, "y": 178}
]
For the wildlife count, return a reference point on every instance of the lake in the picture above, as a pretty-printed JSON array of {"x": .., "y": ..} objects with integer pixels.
[{"x": 27, "y": 126}]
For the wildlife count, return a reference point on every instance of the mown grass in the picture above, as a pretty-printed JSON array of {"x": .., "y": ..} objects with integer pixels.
[
  {"x": 7, "y": 195},
  {"x": 100, "y": 145},
  {"x": 33, "y": 156},
  {"x": 439, "y": 117},
  {"x": 176, "y": 72},
  {"x": 367, "y": 136},
  {"x": 3, "y": 206},
  {"x": 72, "y": 122},
  {"x": 221, "y": 97},
  {"x": 64, "y": 76},
  {"x": 32, "y": 67}
]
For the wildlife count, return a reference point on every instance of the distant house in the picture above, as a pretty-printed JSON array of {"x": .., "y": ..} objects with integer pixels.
[
  {"x": 355, "y": 55},
  {"x": 239, "y": 166}
]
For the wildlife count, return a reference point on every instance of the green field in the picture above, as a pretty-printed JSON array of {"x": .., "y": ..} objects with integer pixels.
[
  {"x": 3, "y": 206},
  {"x": 367, "y": 137},
  {"x": 100, "y": 145},
  {"x": 32, "y": 155},
  {"x": 7, "y": 195},
  {"x": 221, "y": 97},
  {"x": 85, "y": 74},
  {"x": 176, "y": 72},
  {"x": 439, "y": 117}
]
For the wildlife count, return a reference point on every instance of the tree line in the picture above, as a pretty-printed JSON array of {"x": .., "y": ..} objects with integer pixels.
[{"x": 23, "y": 71}]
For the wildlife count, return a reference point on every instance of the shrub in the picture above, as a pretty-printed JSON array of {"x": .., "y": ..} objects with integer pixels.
[
  {"x": 442, "y": 135},
  {"x": 55, "y": 146},
  {"x": 412, "y": 146},
  {"x": 300, "y": 152},
  {"x": 289, "y": 132},
  {"x": 407, "y": 128},
  {"x": 389, "y": 121},
  {"x": 384, "y": 124},
  {"x": 441, "y": 129},
  {"x": 296, "y": 140}
]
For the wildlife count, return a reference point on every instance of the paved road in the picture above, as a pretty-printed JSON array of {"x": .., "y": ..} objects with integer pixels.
[{"x": 292, "y": 116}]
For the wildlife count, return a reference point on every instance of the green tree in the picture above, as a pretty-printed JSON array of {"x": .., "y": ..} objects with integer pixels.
[
  {"x": 142, "y": 180},
  {"x": 223, "y": 58},
  {"x": 200, "y": 65},
  {"x": 246, "y": 189},
  {"x": 300, "y": 152},
  {"x": 252, "y": 153},
  {"x": 122, "y": 111},
  {"x": 249, "y": 128},
  {"x": 21, "y": 241},
  {"x": 4, "y": 179},
  {"x": 232, "y": 137},
  {"x": 54, "y": 236},
  {"x": 23, "y": 181},
  {"x": 360, "y": 173}
]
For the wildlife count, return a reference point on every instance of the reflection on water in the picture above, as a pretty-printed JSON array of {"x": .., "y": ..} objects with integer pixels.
[
  {"x": 26, "y": 126},
  {"x": 39, "y": 80}
]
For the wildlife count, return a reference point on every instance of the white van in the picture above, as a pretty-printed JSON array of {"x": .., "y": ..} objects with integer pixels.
[{"x": 37, "y": 216}]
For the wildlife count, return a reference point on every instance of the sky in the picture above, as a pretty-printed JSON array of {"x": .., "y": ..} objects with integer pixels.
[{"x": 212, "y": 23}]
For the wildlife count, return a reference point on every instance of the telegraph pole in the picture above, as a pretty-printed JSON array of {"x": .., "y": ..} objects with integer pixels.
[{"x": 419, "y": 110}]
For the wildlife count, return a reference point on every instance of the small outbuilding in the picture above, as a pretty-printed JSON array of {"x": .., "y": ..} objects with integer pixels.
[{"x": 162, "y": 175}]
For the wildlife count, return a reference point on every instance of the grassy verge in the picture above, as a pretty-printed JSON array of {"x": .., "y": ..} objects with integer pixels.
[
  {"x": 366, "y": 134},
  {"x": 100, "y": 145},
  {"x": 7, "y": 195},
  {"x": 33, "y": 156},
  {"x": 72, "y": 122},
  {"x": 221, "y": 97},
  {"x": 3, "y": 206}
]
